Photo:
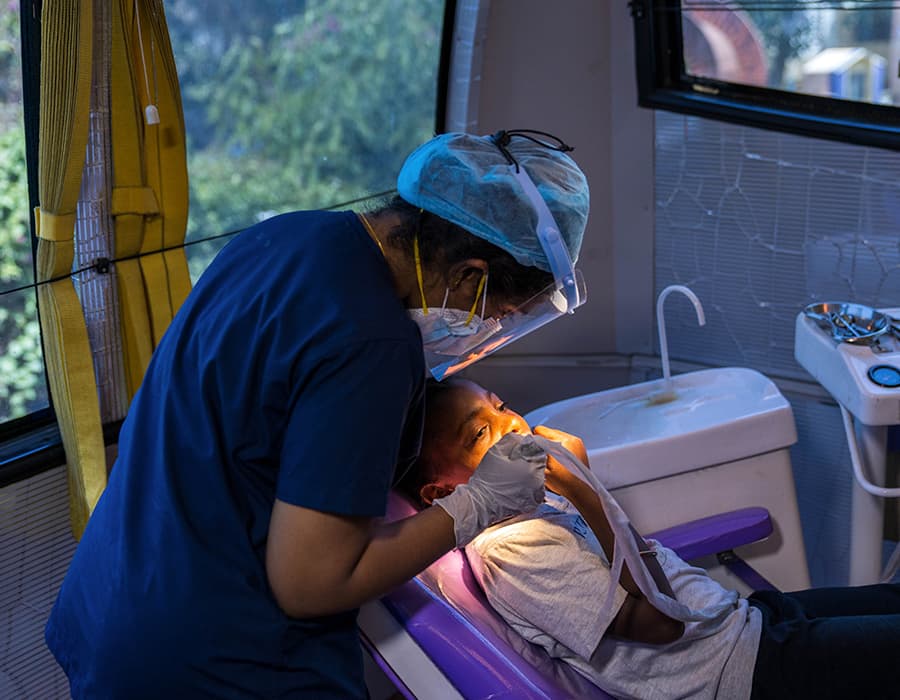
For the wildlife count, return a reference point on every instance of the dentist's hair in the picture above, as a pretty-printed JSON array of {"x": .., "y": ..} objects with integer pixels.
[{"x": 442, "y": 244}]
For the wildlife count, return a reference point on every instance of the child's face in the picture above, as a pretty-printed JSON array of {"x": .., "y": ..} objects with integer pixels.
[{"x": 464, "y": 422}]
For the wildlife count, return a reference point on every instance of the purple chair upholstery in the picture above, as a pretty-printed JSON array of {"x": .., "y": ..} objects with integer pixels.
[
  {"x": 447, "y": 614},
  {"x": 717, "y": 533}
]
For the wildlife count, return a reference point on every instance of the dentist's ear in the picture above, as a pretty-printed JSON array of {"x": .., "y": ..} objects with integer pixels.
[
  {"x": 431, "y": 491},
  {"x": 467, "y": 274}
]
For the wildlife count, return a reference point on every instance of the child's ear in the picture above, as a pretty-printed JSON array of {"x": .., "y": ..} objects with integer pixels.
[{"x": 431, "y": 491}]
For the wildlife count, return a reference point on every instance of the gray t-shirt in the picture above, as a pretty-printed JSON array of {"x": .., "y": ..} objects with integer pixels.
[{"x": 546, "y": 574}]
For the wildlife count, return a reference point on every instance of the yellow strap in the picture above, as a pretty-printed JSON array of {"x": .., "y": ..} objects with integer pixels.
[
  {"x": 70, "y": 370},
  {"x": 179, "y": 277},
  {"x": 156, "y": 287},
  {"x": 477, "y": 295},
  {"x": 133, "y": 200},
  {"x": 372, "y": 234},
  {"x": 137, "y": 343},
  {"x": 419, "y": 273},
  {"x": 54, "y": 227}
]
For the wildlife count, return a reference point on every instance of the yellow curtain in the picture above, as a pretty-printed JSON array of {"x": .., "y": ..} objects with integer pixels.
[
  {"x": 66, "y": 55},
  {"x": 150, "y": 184},
  {"x": 149, "y": 196}
]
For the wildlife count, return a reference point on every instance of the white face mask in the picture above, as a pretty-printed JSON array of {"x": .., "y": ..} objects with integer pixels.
[
  {"x": 452, "y": 331},
  {"x": 447, "y": 333}
]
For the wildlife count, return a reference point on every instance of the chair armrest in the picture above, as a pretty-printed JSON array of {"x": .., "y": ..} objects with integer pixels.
[{"x": 716, "y": 533}]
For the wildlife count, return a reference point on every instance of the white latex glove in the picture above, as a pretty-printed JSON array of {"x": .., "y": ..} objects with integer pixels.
[{"x": 508, "y": 481}]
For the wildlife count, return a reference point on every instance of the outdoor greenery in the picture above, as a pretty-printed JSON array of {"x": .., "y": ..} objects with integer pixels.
[
  {"x": 22, "y": 386},
  {"x": 299, "y": 104},
  {"x": 787, "y": 34},
  {"x": 288, "y": 104}
]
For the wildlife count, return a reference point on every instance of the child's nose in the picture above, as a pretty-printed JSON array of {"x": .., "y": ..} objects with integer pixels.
[{"x": 516, "y": 424}]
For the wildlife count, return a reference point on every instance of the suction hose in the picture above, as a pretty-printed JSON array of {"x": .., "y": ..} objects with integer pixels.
[{"x": 856, "y": 460}]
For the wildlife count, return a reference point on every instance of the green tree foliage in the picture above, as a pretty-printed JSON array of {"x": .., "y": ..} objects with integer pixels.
[
  {"x": 10, "y": 69},
  {"x": 22, "y": 387},
  {"x": 303, "y": 107},
  {"x": 863, "y": 25},
  {"x": 787, "y": 35}
]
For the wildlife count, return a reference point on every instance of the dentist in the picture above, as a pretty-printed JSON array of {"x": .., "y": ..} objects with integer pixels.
[{"x": 240, "y": 530}]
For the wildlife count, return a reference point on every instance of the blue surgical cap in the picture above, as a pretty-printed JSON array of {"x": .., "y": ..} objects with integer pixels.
[{"x": 466, "y": 179}]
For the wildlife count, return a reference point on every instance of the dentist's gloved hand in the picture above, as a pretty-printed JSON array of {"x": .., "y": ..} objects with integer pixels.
[{"x": 509, "y": 481}]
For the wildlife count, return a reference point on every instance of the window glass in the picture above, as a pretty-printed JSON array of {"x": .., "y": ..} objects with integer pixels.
[
  {"x": 298, "y": 104},
  {"x": 22, "y": 385},
  {"x": 831, "y": 49}
]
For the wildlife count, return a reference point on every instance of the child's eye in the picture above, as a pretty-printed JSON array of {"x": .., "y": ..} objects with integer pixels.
[
  {"x": 482, "y": 431},
  {"x": 502, "y": 406}
]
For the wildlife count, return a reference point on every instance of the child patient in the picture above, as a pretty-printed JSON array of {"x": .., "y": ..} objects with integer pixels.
[{"x": 547, "y": 574}]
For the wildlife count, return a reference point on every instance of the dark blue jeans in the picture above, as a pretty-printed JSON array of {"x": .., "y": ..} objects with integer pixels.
[{"x": 841, "y": 643}]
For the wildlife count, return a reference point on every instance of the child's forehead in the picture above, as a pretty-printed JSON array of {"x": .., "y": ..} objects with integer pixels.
[
  {"x": 463, "y": 394},
  {"x": 453, "y": 407}
]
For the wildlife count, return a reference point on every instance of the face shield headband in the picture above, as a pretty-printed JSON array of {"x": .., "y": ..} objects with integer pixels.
[
  {"x": 548, "y": 234},
  {"x": 564, "y": 295}
]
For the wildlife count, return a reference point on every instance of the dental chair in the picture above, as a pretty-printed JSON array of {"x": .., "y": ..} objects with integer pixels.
[{"x": 471, "y": 650}]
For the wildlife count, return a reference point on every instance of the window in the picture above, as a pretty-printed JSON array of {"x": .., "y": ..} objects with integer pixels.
[
  {"x": 826, "y": 68},
  {"x": 298, "y": 104},
  {"x": 288, "y": 104},
  {"x": 23, "y": 389}
]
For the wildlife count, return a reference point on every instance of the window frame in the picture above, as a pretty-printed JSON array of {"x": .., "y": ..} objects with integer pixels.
[{"x": 664, "y": 84}]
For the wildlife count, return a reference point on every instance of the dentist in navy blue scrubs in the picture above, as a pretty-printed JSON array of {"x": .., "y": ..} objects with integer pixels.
[{"x": 241, "y": 528}]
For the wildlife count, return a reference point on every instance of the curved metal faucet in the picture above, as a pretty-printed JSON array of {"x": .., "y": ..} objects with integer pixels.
[{"x": 660, "y": 321}]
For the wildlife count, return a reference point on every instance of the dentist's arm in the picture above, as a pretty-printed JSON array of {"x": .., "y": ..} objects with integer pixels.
[{"x": 321, "y": 563}]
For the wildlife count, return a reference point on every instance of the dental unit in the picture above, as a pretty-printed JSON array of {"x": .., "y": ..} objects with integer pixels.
[{"x": 853, "y": 351}]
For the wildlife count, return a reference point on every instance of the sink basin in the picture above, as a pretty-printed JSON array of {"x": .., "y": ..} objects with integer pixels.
[{"x": 717, "y": 416}]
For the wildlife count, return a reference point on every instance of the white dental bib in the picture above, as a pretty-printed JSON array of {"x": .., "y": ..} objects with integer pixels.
[{"x": 625, "y": 548}]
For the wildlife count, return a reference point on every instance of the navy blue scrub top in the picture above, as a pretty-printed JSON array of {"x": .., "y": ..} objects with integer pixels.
[{"x": 292, "y": 371}]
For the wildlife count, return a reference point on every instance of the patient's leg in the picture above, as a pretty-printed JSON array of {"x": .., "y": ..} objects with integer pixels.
[
  {"x": 878, "y": 599},
  {"x": 804, "y": 653}
]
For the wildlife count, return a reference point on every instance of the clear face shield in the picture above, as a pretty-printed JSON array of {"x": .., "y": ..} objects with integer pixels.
[
  {"x": 454, "y": 353},
  {"x": 467, "y": 343}
]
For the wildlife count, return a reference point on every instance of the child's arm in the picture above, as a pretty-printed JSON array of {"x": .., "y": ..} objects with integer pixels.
[{"x": 637, "y": 620}]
